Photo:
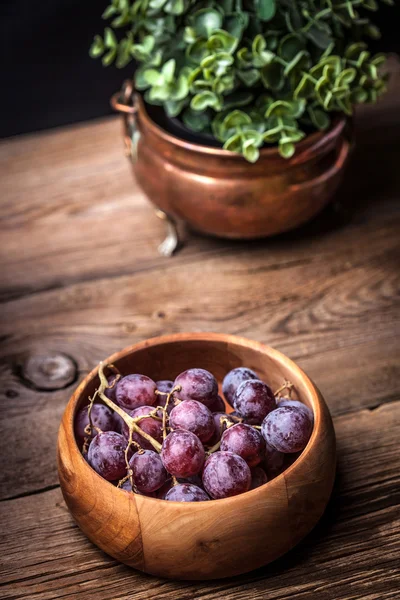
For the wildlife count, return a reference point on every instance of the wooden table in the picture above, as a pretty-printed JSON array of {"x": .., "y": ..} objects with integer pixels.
[{"x": 81, "y": 278}]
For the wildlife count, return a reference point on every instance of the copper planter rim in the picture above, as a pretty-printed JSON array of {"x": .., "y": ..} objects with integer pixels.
[{"x": 138, "y": 107}]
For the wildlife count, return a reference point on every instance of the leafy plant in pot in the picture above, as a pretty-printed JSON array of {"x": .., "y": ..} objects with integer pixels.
[{"x": 240, "y": 117}]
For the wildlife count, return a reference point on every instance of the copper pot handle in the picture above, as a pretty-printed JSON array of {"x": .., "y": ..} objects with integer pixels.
[
  {"x": 345, "y": 149},
  {"x": 124, "y": 102}
]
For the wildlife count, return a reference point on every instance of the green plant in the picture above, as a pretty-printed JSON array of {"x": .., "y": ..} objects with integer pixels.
[{"x": 252, "y": 72}]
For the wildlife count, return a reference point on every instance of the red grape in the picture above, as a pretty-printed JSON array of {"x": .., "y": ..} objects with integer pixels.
[
  {"x": 233, "y": 379},
  {"x": 258, "y": 477},
  {"x": 254, "y": 400},
  {"x": 197, "y": 384},
  {"x": 193, "y": 416},
  {"x": 162, "y": 492},
  {"x": 135, "y": 390},
  {"x": 165, "y": 385},
  {"x": 226, "y": 474},
  {"x": 296, "y": 404},
  {"x": 219, "y": 427},
  {"x": 287, "y": 429},
  {"x": 217, "y": 405},
  {"x": 110, "y": 392},
  {"x": 186, "y": 492},
  {"x": 148, "y": 472},
  {"x": 245, "y": 441},
  {"x": 107, "y": 455},
  {"x": 148, "y": 425},
  {"x": 273, "y": 462},
  {"x": 182, "y": 454},
  {"x": 102, "y": 417}
]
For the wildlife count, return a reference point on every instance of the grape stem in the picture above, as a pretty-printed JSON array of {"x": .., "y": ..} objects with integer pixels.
[
  {"x": 288, "y": 385},
  {"x": 130, "y": 421}
]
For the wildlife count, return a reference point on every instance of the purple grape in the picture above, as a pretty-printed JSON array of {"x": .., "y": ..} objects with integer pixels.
[
  {"x": 193, "y": 416},
  {"x": 119, "y": 422},
  {"x": 219, "y": 427},
  {"x": 107, "y": 455},
  {"x": 233, "y": 379},
  {"x": 194, "y": 480},
  {"x": 182, "y": 454},
  {"x": 162, "y": 492},
  {"x": 165, "y": 385},
  {"x": 148, "y": 472},
  {"x": 135, "y": 390},
  {"x": 126, "y": 486},
  {"x": 148, "y": 425},
  {"x": 258, "y": 478},
  {"x": 197, "y": 384},
  {"x": 287, "y": 429},
  {"x": 102, "y": 417},
  {"x": 273, "y": 462},
  {"x": 254, "y": 400},
  {"x": 245, "y": 441},
  {"x": 296, "y": 404},
  {"x": 226, "y": 474},
  {"x": 110, "y": 392},
  {"x": 217, "y": 405},
  {"x": 186, "y": 492}
]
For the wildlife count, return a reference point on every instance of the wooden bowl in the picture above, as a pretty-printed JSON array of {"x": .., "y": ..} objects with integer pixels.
[{"x": 202, "y": 540}]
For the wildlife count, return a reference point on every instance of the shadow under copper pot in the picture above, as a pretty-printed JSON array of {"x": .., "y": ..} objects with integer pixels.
[{"x": 218, "y": 192}]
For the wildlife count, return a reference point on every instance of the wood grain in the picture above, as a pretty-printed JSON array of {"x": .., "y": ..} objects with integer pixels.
[{"x": 353, "y": 553}]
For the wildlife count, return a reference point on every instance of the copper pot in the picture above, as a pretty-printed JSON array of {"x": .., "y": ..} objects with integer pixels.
[{"x": 218, "y": 192}]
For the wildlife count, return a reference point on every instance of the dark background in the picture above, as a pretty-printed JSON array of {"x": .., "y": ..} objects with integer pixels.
[{"x": 49, "y": 78}]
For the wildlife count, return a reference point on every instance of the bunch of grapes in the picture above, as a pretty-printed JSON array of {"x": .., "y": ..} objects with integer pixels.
[{"x": 179, "y": 441}]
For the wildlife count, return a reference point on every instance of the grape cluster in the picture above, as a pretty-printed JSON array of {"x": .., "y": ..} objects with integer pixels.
[{"x": 179, "y": 441}]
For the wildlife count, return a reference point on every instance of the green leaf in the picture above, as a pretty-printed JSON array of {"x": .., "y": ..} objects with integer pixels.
[
  {"x": 153, "y": 77},
  {"x": 175, "y": 7},
  {"x": 180, "y": 89},
  {"x": 110, "y": 41},
  {"x": 272, "y": 135},
  {"x": 250, "y": 77},
  {"x": 197, "y": 51},
  {"x": 222, "y": 40},
  {"x": 205, "y": 21},
  {"x": 234, "y": 143},
  {"x": 346, "y": 77},
  {"x": 237, "y": 118},
  {"x": 204, "y": 100},
  {"x": 272, "y": 76},
  {"x": 305, "y": 88},
  {"x": 236, "y": 23},
  {"x": 265, "y": 9},
  {"x": 250, "y": 152},
  {"x": 109, "y": 12},
  {"x": 168, "y": 70},
  {"x": 174, "y": 107},
  {"x": 286, "y": 148},
  {"x": 97, "y": 47},
  {"x": 319, "y": 118},
  {"x": 290, "y": 46},
  {"x": 300, "y": 61},
  {"x": 321, "y": 38},
  {"x": 353, "y": 51},
  {"x": 280, "y": 108},
  {"x": 196, "y": 121},
  {"x": 237, "y": 99},
  {"x": 109, "y": 57}
]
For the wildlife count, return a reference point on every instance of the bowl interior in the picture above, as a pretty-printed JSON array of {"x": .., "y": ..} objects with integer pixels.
[{"x": 166, "y": 357}]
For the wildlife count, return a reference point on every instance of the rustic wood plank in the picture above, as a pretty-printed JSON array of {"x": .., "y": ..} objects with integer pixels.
[{"x": 352, "y": 554}]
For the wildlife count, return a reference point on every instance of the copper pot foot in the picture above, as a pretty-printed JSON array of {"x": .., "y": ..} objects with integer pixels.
[{"x": 172, "y": 241}]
